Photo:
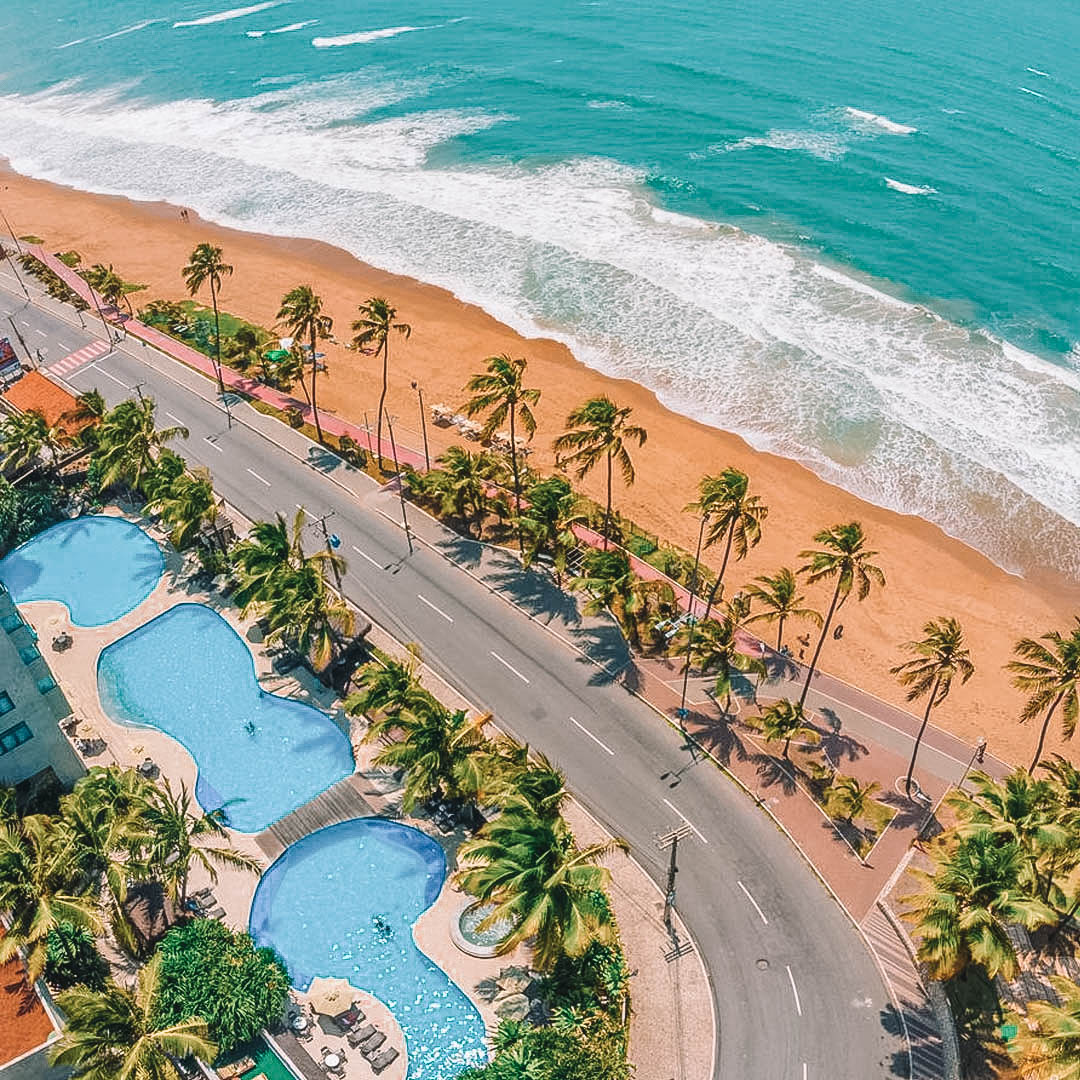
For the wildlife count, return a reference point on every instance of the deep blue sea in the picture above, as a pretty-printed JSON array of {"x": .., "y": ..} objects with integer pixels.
[{"x": 849, "y": 231}]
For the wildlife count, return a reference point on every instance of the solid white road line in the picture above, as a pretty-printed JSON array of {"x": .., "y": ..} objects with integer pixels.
[
  {"x": 509, "y": 666},
  {"x": 700, "y": 835},
  {"x": 804, "y": 1070},
  {"x": 261, "y": 479},
  {"x": 602, "y": 745},
  {"x": 209, "y": 442},
  {"x": 61, "y": 345},
  {"x": 795, "y": 991},
  {"x": 757, "y": 906},
  {"x": 365, "y": 555},
  {"x": 437, "y": 610}
]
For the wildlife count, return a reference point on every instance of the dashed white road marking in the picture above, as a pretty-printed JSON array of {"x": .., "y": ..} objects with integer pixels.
[
  {"x": 757, "y": 906},
  {"x": 41, "y": 332},
  {"x": 110, "y": 375},
  {"x": 173, "y": 416},
  {"x": 209, "y": 442},
  {"x": 261, "y": 479},
  {"x": 600, "y": 743},
  {"x": 438, "y": 610},
  {"x": 510, "y": 667},
  {"x": 795, "y": 992},
  {"x": 365, "y": 555},
  {"x": 700, "y": 834}
]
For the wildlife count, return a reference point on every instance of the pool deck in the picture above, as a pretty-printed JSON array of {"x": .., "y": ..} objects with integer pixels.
[{"x": 672, "y": 1024}]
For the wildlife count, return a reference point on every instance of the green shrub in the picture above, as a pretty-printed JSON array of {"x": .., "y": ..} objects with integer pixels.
[
  {"x": 72, "y": 959},
  {"x": 638, "y": 545},
  {"x": 294, "y": 417},
  {"x": 208, "y": 970}
]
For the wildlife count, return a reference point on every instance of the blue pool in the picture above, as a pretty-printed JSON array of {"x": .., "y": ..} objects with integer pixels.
[
  {"x": 190, "y": 674},
  {"x": 342, "y": 902},
  {"x": 100, "y": 567}
]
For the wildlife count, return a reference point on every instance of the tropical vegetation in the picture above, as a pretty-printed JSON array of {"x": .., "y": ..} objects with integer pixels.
[
  {"x": 206, "y": 266},
  {"x": 301, "y": 312},
  {"x": 376, "y": 321}
]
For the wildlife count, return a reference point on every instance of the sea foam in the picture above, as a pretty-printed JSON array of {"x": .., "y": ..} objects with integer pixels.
[
  {"x": 872, "y": 392},
  {"x": 909, "y": 189},
  {"x": 227, "y": 16},
  {"x": 882, "y": 122},
  {"x": 364, "y": 36}
]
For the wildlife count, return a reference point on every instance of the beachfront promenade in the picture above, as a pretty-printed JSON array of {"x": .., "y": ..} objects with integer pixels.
[{"x": 820, "y": 999}]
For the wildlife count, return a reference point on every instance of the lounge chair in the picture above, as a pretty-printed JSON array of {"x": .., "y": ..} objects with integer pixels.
[
  {"x": 382, "y": 1059},
  {"x": 369, "y": 1046},
  {"x": 355, "y": 1038},
  {"x": 349, "y": 1018},
  {"x": 214, "y": 913}
]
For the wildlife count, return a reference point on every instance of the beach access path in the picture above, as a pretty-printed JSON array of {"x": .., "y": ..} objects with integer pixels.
[{"x": 796, "y": 992}]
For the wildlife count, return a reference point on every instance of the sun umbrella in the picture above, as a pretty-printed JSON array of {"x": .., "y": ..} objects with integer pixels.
[
  {"x": 331, "y": 996},
  {"x": 514, "y": 1007}
]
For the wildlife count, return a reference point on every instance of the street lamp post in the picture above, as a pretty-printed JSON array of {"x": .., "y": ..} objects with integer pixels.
[
  {"x": 423, "y": 423},
  {"x": 401, "y": 486},
  {"x": 977, "y": 756},
  {"x": 690, "y": 619},
  {"x": 5, "y": 252}
]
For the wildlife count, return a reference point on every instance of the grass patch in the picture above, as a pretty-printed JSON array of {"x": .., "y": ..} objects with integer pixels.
[{"x": 30, "y": 238}]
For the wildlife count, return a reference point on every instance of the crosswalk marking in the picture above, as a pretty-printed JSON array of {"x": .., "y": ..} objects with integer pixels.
[{"x": 75, "y": 360}]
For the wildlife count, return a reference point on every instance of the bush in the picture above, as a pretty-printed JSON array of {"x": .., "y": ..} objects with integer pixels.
[
  {"x": 294, "y": 417},
  {"x": 208, "y": 970},
  {"x": 26, "y": 510},
  {"x": 72, "y": 959},
  {"x": 639, "y": 545},
  {"x": 597, "y": 1053}
]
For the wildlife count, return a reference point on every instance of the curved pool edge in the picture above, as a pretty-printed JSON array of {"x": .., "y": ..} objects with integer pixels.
[{"x": 196, "y": 765}]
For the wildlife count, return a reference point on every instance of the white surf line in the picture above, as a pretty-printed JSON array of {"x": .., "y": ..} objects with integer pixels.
[
  {"x": 365, "y": 555},
  {"x": 261, "y": 479},
  {"x": 207, "y": 440},
  {"x": 757, "y": 906},
  {"x": 438, "y": 610},
  {"x": 510, "y": 667},
  {"x": 795, "y": 991},
  {"x": 700, "y": 834},
  {"x": 602, "y": 745}
]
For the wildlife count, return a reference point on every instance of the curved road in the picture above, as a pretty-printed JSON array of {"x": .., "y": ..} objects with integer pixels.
[{"x": 797, "y": 993}]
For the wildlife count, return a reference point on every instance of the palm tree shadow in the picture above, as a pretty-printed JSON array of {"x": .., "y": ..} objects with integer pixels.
[
  {"x": 324, "y": 460},
  {"x": 461, "y": 550},
  {"x": 717, "y": 734},
  {"x": 773, "y": 771},
  {"x": 605, "y": 647},
  {"x": 536, "y": 593},
  {"x": 909, "y": 813},
  {"x": 836, "y": 745}
]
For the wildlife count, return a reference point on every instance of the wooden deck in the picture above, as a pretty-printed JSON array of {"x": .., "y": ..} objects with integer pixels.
[{"x": 353, "y": 797}]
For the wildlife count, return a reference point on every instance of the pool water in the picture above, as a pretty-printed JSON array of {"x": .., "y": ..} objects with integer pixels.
[
  {"x": 100, "y": 567},
  {"x": 342, "y": 902},
  {"x": 189, "y": 674}
]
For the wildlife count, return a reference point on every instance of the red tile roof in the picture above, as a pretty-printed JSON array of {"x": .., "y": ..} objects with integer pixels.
[
  {"x": 34, "y": 391},
  {"x": 24, "y": 1023}
]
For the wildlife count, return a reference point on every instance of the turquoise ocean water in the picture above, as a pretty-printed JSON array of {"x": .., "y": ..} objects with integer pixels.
[{"x": 847, "y": 231}]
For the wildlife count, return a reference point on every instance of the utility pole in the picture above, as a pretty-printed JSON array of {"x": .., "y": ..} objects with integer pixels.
[
  {"x": 401, "y": 486},
  {"x": 11, "y": 232},
  {"x": 423, "y": 423},
  {"x": 669, "y": 842},
  {"x": 101, "y": 316},
  {"x": 22, "y": 341},
  {"x": 331, "y": 540},
  {"x": 6, "y": 253}
]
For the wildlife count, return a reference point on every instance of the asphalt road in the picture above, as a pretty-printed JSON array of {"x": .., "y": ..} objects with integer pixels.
[{"x": 797, "y": 994}]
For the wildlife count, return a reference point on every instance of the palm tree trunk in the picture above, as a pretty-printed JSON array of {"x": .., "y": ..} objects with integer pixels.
[
  {"x": 517, "y": 481},
  {"x": 821, "y": 641},
  {"x": 918, "y": 738},
  {"x": 780, "y": 633},
  {"x": 382, "y": 398},
  {"x": 787, "y": 747},
  {"x": 607, "y": 510},
  {"x": 1042, "y": 733},
  {"x": 720, "y": 577},
  {"x": 217, "y": 337},
  {"x": 314, "y": 372}
]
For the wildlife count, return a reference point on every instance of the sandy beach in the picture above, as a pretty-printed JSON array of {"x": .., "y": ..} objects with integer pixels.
[{"x": 928, "y": 573}]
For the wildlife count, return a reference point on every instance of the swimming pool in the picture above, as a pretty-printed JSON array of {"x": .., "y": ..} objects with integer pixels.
[
  {"x": 342, "y": 902},
  {"x": 189, "y": 674},
  {"x": 100, "y": 567}
]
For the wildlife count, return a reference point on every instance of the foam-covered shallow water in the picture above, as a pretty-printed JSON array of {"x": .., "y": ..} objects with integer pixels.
[{"x": 843, "y": 234}]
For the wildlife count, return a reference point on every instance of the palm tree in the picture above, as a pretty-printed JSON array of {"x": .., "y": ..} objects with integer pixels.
[
  {"x": 599, "y": 431},
  {"x": 969, "y": 903},
  {"x": 501, "y": 393},
  {"x": 302, "y": 313},
  {"x": 111, "y": 1034},
  {"x": 848, "y": 799},
  {"x": 462, "y": 482},
  {"x": 714, "y": 643},
  {"x": 1049, "y": 675},
  {"x": 539, "y": 785},
  {"x": 734, "y": 516},
  {"x": 89, "y": 411},
  {"x": 939, "y": 656},
  {"x": 547, "y": 523},
  {"x": 438, "y": 750},
  {"x": 128, "y": 442},
  {"x": 1047, "y": 1041},
  {"x": 206, "y": 265},
  {"x": 180, "y": 837},
  {"x": 786, "y": 720},
  {"x": 388, "y": 688},
  {"x": 302, "y": 612},
  {"x": 23, "y": 436},
  {"x": 186, "y": 504},
  {"x": 782, "y": 601},
  {"x": 110, "y": 285},
  {"x": 611, "y": 583},
  {"x": 538, "y": 878},
  {"x": 371, "y": 334},
  {"x": 843, "y": 557},
  {"x": 37, "y": 890}
]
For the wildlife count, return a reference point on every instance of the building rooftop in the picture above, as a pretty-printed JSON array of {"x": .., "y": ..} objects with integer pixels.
[
  {"x": 25, "y": 1026},
  {"x": 34, "y": 391}
]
